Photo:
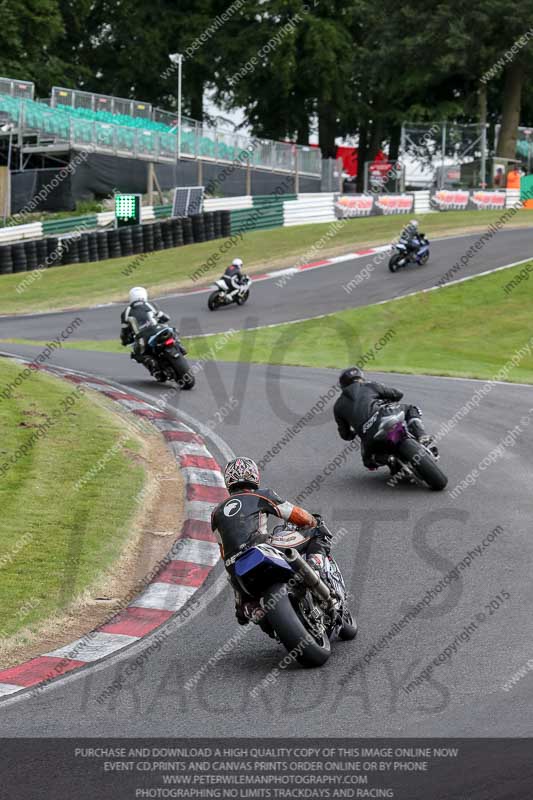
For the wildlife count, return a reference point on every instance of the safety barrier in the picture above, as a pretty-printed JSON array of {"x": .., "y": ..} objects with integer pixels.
[
  {"x": 83, "y": 247},
  {"x": 246, "y": 213},
  {"x": 33, "y": 230},
  {"x": 423, "y": 202},
  {"x": 308, "y": 209}
]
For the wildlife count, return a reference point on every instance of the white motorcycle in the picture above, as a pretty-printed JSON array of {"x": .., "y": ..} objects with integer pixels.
[{"x": 224, "y": 295}]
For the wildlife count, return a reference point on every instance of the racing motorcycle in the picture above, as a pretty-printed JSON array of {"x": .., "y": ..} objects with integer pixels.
[
  {"x": 224, "y": 295},
  {"x": 292, "y": 603},
  {"x": 394, "y": 446},
  {"x": 406, "y": 254},
  {"x": 165, "y": 349}
]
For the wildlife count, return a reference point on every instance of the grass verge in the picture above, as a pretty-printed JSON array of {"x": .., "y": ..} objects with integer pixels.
[
  {"x": 55, "y": 539},
  {"x": 105, "y": 281}
]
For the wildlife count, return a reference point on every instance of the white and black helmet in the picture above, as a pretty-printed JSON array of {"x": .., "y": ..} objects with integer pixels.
[
  {"x": 241, "y": 470},
  {"x": 237, "y": 262},
  {"x": 138, "y": 294}
]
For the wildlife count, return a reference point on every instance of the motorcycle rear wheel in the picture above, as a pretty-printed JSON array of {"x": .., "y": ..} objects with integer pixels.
[
  {"x": 422, "y": 464},
  {"x": 181, "y": 368},
  {"x": 348, "y": 630},
  {"x": 292, "y": 633}
]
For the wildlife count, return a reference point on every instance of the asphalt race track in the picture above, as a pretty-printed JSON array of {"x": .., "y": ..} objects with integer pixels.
[
  {"x": 400, "y": 543},
  {"x": 307, "y": 294},
  {"x": 394, "y": 545}
]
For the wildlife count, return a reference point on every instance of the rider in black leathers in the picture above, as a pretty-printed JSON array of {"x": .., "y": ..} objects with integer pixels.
[
  {"x": 241, "y": 521},
  {"x": 233, "y": 275},
  {"x": 411, "y": 236},
  {"x": 140, "y": 320},
  {"x": 357, "y": 403}
]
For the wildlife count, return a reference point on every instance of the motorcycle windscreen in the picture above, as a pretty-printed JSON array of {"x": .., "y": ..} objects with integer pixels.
[{"x": 256, "y": 571}]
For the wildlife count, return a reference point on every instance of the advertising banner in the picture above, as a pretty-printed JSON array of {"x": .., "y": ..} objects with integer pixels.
[
  {"x": 366, "y": 205},
  {"x": 465, "y": 199}
]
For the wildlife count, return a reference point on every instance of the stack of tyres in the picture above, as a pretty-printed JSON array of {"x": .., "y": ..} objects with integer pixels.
[
  {"x": 71, "y": 249},
  {"x": 166, "y": 232},
  {"x": 148, "y": 238},
  {"x": 177, "y": 232},
  {"x": 103, "y": 245},
  {"x": 217, "y": 216},
  {"x": 198, "y": 227},
  {"x": 53, "y": 251},
  {"x": 126, "y": 241},
  {"x": 226, "y": 223},
  {"x": 19, "y": 257},
  {"x": 42, "y": 253},
  {"x": 113, "y": 243},
  {"x": 84, "y": 248},
  {"x": 188, "y": 235},
  {"x": 158, "y": 236},
  {"x": 137, "y": 239},
  {"x": 6, "y": 260},
  {"x": 209, "y": 221},
  {"x": 30, "y": 248},
  {"x": 92, "y": 239}
]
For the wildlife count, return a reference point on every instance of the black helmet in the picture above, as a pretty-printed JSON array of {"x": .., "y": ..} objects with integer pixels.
[{"x": 351, "y": 375}]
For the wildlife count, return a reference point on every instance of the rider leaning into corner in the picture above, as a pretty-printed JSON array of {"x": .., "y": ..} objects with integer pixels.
[
  {"x": 233, "y": 275},
  {"x": 241, "y": 521},
  {"x": 411, "y": 235},
  {"x": 359, "y": 400},
  {"x": 140, "y": 320}
]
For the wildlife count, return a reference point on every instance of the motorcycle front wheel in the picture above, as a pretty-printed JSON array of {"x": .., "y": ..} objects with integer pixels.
[
  {"x": 242, "y": 300},
  {"x": 394, "y": 262},
  {"x": 305, "y": 647},
  {"x": 212, "y": 302},
  {"x": 424, "y": 259}
]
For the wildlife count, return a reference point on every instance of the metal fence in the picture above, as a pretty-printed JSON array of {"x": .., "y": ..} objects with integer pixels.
[
  {"x": 74, "y": 98},
  {"x": 15, "y": 88},
  {"x": 444, "y": 154}
]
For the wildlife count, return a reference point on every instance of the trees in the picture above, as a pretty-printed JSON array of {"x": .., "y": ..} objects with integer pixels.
[
  {"x": 29, "y": 30},
  {"x": 340, "y": 67}
]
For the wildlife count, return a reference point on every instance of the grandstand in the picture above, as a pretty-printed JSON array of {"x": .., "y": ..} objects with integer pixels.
[{"x": 74, "y": 120}]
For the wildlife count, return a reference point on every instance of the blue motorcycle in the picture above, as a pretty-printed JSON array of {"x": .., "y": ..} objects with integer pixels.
[
  {"x": 409, "y": 251},
  {"x": 292, "y": 603}
]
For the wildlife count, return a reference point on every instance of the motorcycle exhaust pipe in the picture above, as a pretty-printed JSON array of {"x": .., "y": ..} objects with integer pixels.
[{"x": 309, "y": 576}]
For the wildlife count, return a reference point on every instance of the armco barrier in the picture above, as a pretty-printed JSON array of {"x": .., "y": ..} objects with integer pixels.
[
  {"x": 423, "y": 202},
  {"x": 56, "y": 226},
  {"x": 33, "y": 230},
  {"x": 306, "y": 210}
]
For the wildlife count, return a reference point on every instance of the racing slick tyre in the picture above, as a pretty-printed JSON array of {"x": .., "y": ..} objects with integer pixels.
[
  {"x": 394, "y": 262},
  {"x": 212, "y": 302},
  {"x": 422, "y": 464},
  {"x": 307, "y": 649},
  {"x": 182, "y": 370},
  {"x": 242, "y": 300}
]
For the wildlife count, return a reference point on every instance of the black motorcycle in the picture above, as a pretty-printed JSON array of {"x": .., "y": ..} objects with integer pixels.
[
  {"x": 226, "y": 295},
  {"x": 408, "y": 252},
  {"x": 166, "y": 358},
  {"x": 394, "y": 446},
  {"x": 292, "y": 604}
]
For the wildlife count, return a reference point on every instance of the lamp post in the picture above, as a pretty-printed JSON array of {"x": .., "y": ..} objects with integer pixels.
[{"x": 177, "y": 58}]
